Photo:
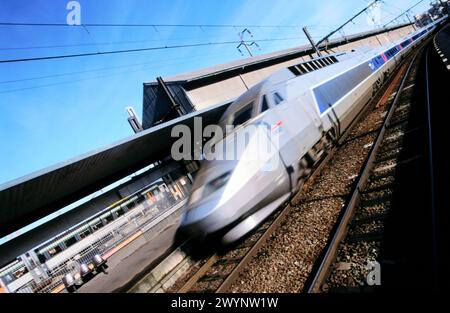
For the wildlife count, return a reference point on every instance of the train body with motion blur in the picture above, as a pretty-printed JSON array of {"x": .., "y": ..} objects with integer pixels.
[{"x": 308, "y": 106}]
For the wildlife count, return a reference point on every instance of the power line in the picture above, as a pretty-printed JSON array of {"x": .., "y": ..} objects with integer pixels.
[
  {"x": 144, "y": 25},
  {"x": 98, "y": 43},
  {"x": 104, "y": 43},
  {"x": 197, "y": 56},
  {"x": 334, "y": 25},
  {"x": 93, "y": 77},
  {"x": 54, "y": 57}
]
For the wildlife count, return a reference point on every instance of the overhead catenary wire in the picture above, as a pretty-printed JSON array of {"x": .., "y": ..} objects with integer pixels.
[
  {"x": 104, "y": 43},
  {"x": 76, "y": 55},
  {"x": 197, "y": 56},
  {"x": 130, "y": 50},
  {"x": 144, "y": 25},
  {"x": 95, "y": 77}
]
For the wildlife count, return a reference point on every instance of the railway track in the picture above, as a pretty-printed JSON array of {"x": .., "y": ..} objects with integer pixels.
[
  {"x": 351, "y": 260},
  {"x": 220, "y": 271}
]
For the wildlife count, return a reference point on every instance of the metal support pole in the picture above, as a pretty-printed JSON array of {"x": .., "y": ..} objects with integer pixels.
[
  {"x": 175, "y": 106},
  {"x": 378, "y": 39},
  {"x": 134, "y": 121},
  {"x": 248, "y": 49},
  {"x": 244, "y": 43},
  {"x": 313, "y": 44},
  {"x": 409, "y": 19}
]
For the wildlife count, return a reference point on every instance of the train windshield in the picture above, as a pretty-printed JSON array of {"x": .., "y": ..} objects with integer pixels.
[
  {"x": 242, "y": 115},
  {"x": 264, "y": 104}
]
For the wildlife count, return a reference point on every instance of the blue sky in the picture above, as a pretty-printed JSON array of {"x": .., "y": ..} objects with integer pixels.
[{"x": 44, "y": 121}]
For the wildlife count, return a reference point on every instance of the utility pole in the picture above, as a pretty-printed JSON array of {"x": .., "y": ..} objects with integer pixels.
[
  {"x": 378, "y": 39},
  {"x": 244, "y": 43},
  {"x": 305, "y": 30},
  {"x": 409, "y": 19}
]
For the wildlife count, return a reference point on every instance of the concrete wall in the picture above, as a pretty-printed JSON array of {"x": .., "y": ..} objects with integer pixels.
[
  {"x": 229, "y": 89},
  {"x": 378, "y": 40},
  {"x": 223, "y": 91}
]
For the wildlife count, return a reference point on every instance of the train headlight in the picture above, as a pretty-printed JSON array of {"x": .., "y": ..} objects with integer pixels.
[
  {"x": 196, "y": 196},
  {"x": 216, "y": 184},
  {"x": 208, "y": 189}
]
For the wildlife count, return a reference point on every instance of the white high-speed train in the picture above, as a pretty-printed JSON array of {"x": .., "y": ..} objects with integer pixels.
[{"x": 307, "y": 107}]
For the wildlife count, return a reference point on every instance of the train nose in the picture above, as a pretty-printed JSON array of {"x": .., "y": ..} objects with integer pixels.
[{"x": 204, "y": 218}]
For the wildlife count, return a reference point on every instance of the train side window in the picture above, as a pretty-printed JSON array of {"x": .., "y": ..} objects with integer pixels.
[
  {"x": 243, "y": 115},
  {"x": 277, "y": 98},
  {"x": 55, "y": 250},
  {"x": 97, "y": 225},
  {"x": 85, "y": 233},
  {"x": 19, "y": 272},
  {"x": 42, "y": 258},
  {"x": 120, "y": 212},
  {"x": 109, "y": 218},
  {"x": 70, "y": 241}
]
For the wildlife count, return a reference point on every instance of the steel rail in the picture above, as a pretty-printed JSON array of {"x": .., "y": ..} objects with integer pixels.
[{"x": 435, "y": 278}]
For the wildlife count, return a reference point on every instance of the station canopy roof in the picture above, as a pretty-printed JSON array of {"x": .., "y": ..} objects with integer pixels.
[{"x": 27, "y": 199}]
